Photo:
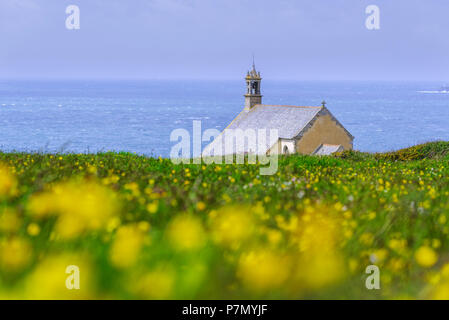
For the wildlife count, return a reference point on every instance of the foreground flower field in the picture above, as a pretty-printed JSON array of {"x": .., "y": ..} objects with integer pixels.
[{"x": 144, "y": 228}]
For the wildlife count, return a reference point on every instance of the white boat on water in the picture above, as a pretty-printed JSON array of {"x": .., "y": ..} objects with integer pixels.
[{"x": 443, "y": 89}]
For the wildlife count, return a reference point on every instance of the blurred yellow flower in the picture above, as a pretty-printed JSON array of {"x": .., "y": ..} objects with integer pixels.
[
  {"x": 8, "y": 182},
  {"x": 156, "y": 284},
  {"x": 232, "y": 225},
  {"x": 274, "y": 236},
  {"x": 133, "y": 187},
  {"x": 113, "y": 224},
  {"x": 144, "y": 226},
  {"x": 426, "y": 257},
  {"x": 436, "y": 243},
  {"x": 80, "y": 206},
  {"x": 262, "y": 269},
  {"x": 396, "y": 264},
  {"x": 9, "y": 220},
  {"x": 445, "y": 271},
  {"x": 378, "y": 256},
  {"x": 49, "y": 279},
  {"x": 367, "y": 238},
  {"x": 126, "y": 246},
  {"x": 201, "y": 206},
  {"x": 15, "y": 254},
  {"x": 441, "y": 291},
  {"x": 33, "y": 229},
  {"x": 320, "y": 262},
  {"x": 316, "y": 230},
  {"x": 186, "y": 233},
  {"x": 152, "y": 207},
  {"x": 397, "y": 244}
]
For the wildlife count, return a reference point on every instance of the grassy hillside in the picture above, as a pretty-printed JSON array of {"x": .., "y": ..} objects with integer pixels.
[
  {"x": 145, "y": 228},
  {"x": 434, "y": 150}
]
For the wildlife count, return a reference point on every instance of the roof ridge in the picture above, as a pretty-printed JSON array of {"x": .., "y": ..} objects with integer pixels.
[{"x": 285, "y": 105}]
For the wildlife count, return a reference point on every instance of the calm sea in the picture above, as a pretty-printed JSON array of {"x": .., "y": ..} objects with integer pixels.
[{"x": 138, "y": 116}]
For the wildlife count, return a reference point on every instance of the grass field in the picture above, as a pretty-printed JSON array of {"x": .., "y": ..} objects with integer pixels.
[{"x": 145, "y": 228}]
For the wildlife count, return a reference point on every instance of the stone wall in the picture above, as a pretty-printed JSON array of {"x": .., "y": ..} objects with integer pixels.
[
  {"x": 252, "y": 100},
  {"x": 323, "y": 130}
]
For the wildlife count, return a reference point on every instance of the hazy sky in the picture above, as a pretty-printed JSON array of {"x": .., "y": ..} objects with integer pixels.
[{"x": 292, "y": 39}]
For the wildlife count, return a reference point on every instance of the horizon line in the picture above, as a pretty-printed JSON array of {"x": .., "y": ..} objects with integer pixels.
[{"x": 3, "y": 79}]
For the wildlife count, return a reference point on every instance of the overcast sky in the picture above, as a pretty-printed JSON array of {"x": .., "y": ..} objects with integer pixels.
[{"x": 291, "y": 39}]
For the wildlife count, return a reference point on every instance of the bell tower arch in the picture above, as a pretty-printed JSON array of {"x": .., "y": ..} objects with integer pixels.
[{"x": 252, "y": 96}]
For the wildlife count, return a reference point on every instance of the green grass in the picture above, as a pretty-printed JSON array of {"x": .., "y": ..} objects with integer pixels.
[
  {"x": 385, "y": 206},
  {"x": 433, "y": 150}
]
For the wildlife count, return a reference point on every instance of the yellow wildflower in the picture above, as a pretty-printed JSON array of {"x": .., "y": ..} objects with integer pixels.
[
  {"x": 50, "y": 278},
  {"x": 9, "y": 220},
  {"x": 126, "y": 246},
  {"x": 367, "y": 239},
  {"x": 156, "y": 284},
  {"x": 8, "y": 182},
  {"x": 15, "y": 254},
  {"x": 232, "y": 225},
  {"x": 426, "y": 257},
  {"x": 201, "y": 206},
  {"x": 186, "y": 233},
  {"x": 153, "y": 207},
  {"x": 262, "y": 270},
  {"x": 33, "y": 229},
  {"x": 80, "y": 206}
]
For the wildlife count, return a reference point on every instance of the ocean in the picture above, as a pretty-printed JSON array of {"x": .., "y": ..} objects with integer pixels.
[{"x": 138, "y": 116}]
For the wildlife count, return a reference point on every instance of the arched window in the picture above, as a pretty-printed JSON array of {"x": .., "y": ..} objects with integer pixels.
[{"x": 286, "y": 152}]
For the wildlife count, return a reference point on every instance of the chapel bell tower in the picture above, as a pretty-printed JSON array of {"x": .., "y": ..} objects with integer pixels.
[{"x": 252, "y": 96}]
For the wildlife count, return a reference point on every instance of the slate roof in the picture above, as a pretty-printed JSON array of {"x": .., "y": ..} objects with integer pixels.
[
  {"x": 288, "y": 120},
  {"x": 327, "y": 149}
]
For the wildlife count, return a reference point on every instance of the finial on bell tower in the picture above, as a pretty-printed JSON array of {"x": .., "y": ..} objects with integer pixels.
[{"x": 252, "y": 96}]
